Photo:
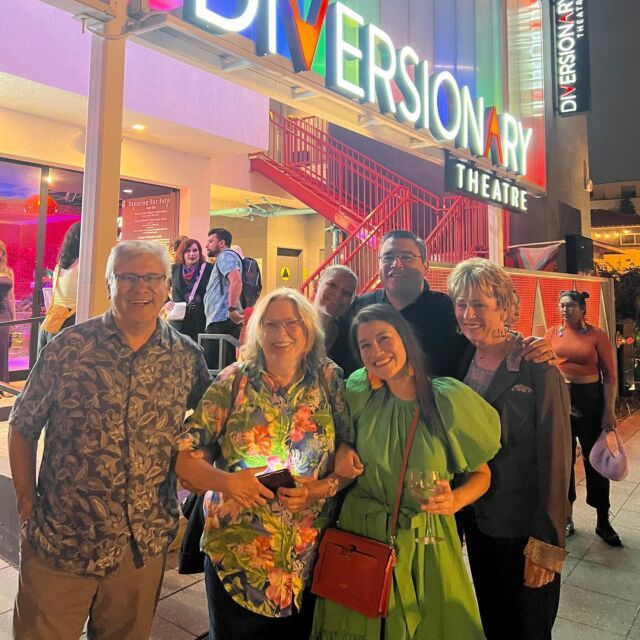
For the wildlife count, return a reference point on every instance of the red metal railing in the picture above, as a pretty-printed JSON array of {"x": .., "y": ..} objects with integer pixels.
[
  {"x": 345, "y": 174},
  {"x": 460, "y": 234},
  {"x": 359, "y": 250},
  {"x": 366, "y": 199}
]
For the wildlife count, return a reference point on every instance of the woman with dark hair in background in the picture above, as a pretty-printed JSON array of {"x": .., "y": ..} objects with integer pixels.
[
  {"x": 65, "y": 282},
  {"x": 190, "y": 275},
  {"x": 457, "y": 432},
  {"x": 587, "y": 364},
  {"x": 7, "y": 311}
]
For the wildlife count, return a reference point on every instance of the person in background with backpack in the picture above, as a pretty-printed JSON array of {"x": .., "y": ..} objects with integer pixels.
[
  {"x": 222, "y": 306},
  {"x": 251, "y": 279}
]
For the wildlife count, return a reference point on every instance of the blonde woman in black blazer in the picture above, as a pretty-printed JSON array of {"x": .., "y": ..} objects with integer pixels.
[{"x": 515, "y": 533}]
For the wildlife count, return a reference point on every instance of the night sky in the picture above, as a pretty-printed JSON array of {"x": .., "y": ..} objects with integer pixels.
[{"x": 614, "y": 121}]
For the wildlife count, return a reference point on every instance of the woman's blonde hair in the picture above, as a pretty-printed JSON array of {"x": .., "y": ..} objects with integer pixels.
[
  {"x": 252, "y": 351},
  {"x": 481, "y": 274},
  {"x": 4, "y": 267}
]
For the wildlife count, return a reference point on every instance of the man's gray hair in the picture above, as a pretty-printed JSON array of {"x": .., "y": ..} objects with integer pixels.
[
  {"x": 338, "y": 268},
  {"x": 131, "y": 248}
]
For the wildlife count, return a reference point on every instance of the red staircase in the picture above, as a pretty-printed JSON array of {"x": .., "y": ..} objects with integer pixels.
[
  {"x": 359, "y": 250},
  {"x": 460, "y": 234},
  {"x": 365, "y": 199}
]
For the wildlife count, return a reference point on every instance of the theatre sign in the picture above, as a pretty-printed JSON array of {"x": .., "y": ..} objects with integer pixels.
[
  {"x": 571, "y": 45},
  {"x": 364, "y": 65}
]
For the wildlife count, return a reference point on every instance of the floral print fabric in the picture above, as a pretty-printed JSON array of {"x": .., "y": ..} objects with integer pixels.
[
  {"x": 264, "y": 557},
  {"x": 113, "y": 417}
]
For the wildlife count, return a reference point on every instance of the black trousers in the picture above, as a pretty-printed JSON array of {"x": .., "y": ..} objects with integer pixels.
[
  {"x": 587, "y": 405},
  {"x": 230, "y": 621},
  {"x": 509, "y": 610},
  {"x": 211, "y": 347}
]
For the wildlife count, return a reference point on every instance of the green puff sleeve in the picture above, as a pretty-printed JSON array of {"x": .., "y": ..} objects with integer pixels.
[
  {"x": 358, "y": 392},
  {"x": 471, "y": 425}
]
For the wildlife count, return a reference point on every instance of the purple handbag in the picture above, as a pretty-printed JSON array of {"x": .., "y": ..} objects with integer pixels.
[{"x": 606, "y": 463}]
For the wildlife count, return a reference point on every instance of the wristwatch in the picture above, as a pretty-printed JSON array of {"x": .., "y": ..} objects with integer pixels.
[
  {"x": 233, "y": 308},
  {"x": 333, "y": 487}
]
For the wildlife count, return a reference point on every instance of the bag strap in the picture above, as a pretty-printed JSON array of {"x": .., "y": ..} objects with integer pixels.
[
  {"x": 403, "y": 472},
  {"x": 56, "y": 272},
  {"x": 214, "y": 448},
  {"x": 194, "y": 289}
]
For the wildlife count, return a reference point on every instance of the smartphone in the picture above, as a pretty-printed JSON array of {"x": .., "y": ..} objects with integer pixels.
[{"x": 273, "y": 480}]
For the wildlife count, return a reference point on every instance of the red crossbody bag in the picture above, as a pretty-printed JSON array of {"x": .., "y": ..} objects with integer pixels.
[{"x": 357, "y": 572}]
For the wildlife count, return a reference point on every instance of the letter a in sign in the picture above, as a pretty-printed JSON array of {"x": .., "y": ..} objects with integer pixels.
[{"x": 302, "y": 35}]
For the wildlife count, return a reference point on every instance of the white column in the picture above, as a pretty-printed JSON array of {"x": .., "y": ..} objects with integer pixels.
[
  {"x": 495, "y": 221},
  {"x": 101, "y": 183}
]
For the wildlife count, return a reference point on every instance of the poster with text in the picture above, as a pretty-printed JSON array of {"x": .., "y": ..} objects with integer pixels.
[{"x": 150, "y": 218}]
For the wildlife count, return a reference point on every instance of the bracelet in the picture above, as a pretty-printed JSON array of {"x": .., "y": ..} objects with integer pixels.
[{"x": 334, "y": 483}]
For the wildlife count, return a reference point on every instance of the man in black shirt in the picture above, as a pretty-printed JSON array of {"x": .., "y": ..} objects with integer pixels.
[{"x": 403, "y": 266}]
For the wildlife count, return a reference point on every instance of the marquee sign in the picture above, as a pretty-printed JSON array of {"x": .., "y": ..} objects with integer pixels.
[
  {"x": 465, "y": 177},
  {"x": 431, "y": 102},
  {"x": 571, "y": 47}
]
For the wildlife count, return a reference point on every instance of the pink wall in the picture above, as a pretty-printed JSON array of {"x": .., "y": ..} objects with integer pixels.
[{"x": 45, "y": 45}]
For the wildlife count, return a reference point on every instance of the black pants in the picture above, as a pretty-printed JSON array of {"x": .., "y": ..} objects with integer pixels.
[
  {"x": 193, "y": 323},
  {"x": 230, "y": 621},
  {"x": 509, "y": 610},
  {"x": 211, "y": 347},
  {"x": 587, "y": 406}
]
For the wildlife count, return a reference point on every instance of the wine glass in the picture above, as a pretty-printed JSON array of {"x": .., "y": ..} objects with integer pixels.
[{"x": 423, "y": 483}]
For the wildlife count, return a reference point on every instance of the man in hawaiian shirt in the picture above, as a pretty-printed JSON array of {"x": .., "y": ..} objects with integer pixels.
[{"x": 112, "y": 393}]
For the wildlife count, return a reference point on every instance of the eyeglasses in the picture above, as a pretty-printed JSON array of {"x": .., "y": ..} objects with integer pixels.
[
  {"x": 568, "y": 305},
  {"x": 153, "y": 279},
  {"x": 405, "y": 258},
  {"x": 290, "y": 326}
]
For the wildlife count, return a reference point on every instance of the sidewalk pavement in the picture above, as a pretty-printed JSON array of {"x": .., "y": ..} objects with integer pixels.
[{"x": 600, "y": 597}]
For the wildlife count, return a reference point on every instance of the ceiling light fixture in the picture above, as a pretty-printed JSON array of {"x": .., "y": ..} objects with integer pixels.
[{"x": 138, "y": 127}]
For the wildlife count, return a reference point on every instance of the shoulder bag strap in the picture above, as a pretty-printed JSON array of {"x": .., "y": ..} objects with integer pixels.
[
  {"x": 192, "y": 295},
  {"x": 403, "y": 472},
  {"x": 214, "y": 449},
  {"x": 56, "y": 272}
]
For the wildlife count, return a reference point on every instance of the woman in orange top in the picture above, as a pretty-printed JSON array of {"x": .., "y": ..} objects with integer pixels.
[{"x": 587, "y": 364}]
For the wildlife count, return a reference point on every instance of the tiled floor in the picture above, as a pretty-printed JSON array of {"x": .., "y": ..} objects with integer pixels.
[{"x": 600, "y": 598}]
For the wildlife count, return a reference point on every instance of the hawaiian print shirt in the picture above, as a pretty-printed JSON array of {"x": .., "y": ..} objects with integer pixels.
[
  {"x": 264, "y": 556},
  {"x": 113, "y": 417}
]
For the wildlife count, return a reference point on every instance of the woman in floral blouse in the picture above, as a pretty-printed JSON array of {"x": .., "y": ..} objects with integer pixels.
[{"x": 289, "y": 411}]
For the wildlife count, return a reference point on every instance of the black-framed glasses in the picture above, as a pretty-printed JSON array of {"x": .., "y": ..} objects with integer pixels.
[
  {"x": 153, "y": 279},
  {"x": 405, "y": 258}
]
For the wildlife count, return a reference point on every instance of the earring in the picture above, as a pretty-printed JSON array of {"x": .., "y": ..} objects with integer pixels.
[
  {"x": 410, "y": 370},
  {"x": 499, "y": 333},
  {"x": 374, "y": 381},
  {"x": 458, "y": 330}
]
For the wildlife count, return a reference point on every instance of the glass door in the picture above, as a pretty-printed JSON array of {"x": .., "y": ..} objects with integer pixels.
[{"x": 22, "y": 187}]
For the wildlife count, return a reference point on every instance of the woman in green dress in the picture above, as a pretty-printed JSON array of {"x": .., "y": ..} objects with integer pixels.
[{"x": 458, "y": 432}]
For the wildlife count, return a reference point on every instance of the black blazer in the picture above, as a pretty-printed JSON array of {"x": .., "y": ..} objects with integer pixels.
[{"x": 530, "y": 473}]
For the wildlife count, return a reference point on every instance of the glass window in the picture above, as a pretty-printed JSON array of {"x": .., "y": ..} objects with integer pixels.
[{"x": 19, "y": 209}]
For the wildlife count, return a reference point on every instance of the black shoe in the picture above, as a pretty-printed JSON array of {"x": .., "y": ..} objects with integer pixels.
[
  {"x": 608, "y": 534},
  {"x": 570, "y": 529}
]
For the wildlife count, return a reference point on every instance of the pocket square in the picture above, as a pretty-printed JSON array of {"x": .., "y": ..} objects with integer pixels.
[{"x": 522, "y": 388}]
